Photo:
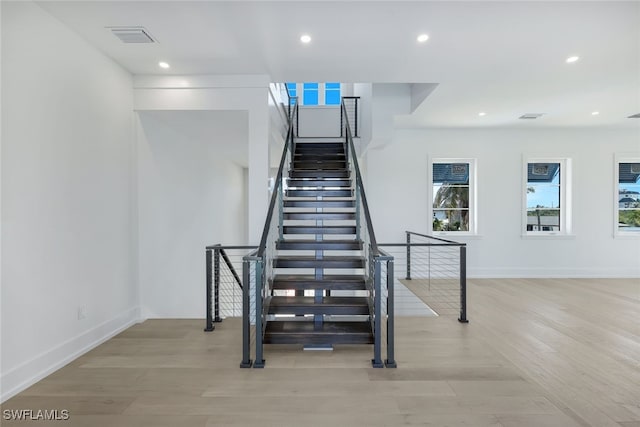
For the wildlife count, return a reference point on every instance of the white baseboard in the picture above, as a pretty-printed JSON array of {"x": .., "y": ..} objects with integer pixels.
[
  {"x": 30, "y": 372},
  {"x": 547, "y": 273}
]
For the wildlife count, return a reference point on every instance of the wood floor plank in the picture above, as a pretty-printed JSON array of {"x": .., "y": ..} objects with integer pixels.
[{"x": 537, "y": 352}]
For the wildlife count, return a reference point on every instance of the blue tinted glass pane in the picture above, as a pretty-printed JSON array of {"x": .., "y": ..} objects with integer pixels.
[
  {"x": 311, "y": 86},
  {"x": 332, "y": 97},
  {"x": 310, "y": 97},
  {"x": 332, "y": 85}
]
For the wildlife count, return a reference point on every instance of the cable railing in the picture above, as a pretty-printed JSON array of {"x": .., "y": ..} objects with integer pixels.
[
  {"x": 380, "y": 286},
  {"x": 435, "y": 270},
  {"x": 224, "y": 282},
  {"x": 350, "y": 113}
]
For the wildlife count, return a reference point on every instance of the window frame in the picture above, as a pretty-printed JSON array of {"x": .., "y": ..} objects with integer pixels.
[
  {"x": 566, "y": 180},
  {"x": 621, "y": 158},
  {"x": 473, "y": 196}
]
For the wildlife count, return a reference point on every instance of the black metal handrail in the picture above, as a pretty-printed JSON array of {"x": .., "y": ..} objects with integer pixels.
[
  {"x": 359, "y": 184},
  {"x": 288, "y": 146},
  {"x": 213, "y": 255}
]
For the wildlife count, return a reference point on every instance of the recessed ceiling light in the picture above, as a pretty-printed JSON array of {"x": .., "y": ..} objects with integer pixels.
[
  {"x": 482, "y": 114},
  {"x": 423, "y": 38},
  {"x": 595, "y": 113},
  {"x": 531, "y": 116},
  {"x": 572, "y": 59},
  {"x": 163, "y": 64},
  {"x": 305, "y": 38}
]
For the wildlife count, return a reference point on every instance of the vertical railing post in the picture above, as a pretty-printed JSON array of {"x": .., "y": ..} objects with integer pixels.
[
  {"x": 281, "y": 209},
  {"x": 390, "y": 362},
  {"x": 246, "y": 313},
  {"x": 216, "y": 284},
  {"x": 259, "y": 362},
  {"x": 463, "y": 284},
  {"x": 209, "y": 323},
  {"x": 408, "y": 275},
  {"x": 377, "y": 321},
  {"x": 355, "y": 117}
]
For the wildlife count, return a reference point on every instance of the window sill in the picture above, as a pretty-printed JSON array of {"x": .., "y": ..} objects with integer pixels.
[
  {"x": 547, "y": 236},
  {"x": 627, "y": 236}
]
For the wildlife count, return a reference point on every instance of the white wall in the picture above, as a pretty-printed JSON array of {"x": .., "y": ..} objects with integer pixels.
[
  {"x": 191, "y": 194},
  {"x": 397, "y": 192},
  {"x": 66, "y": 196},
  {"x": 215, "y": 93},
  {"x": 319, "y": 121}
]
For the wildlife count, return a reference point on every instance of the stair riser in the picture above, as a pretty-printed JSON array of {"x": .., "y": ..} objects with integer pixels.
[
  {"x": 319, "y": 203},
  {"x": 311, "y": 339},
  {"x": 303, "y": 286},
  {"x": 319, "y": 183},
  {"x": 318, "y": 165},
  {"x": 318, "y": 246},
  {"x": 279, "y": 263},
  {"x": 338, "y": 173},
  {"x": 319, "y": 230},
  {"x": 320, "y": 309},
  {"x": 319, "y": 215},
  {"x": 316, "y": 193}
]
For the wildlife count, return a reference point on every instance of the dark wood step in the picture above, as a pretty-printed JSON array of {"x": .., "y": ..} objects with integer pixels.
[
  {"x": 319, "y": 192},
  {"x": 313, "y": 164},
  {"x": 319, "y": 183},
  {"x": 330, "y": 305},
  {"x": 320, "y": 154},
  {"x": 319, "y": 146},
  {"x": 305, "y": 332},
  {"x": 317, "y": 173},
  {"x": 327, "y": 229},
  {"x": 319, "y": 203},
  {"x": 315, "y": 245},
  {"x": 309, "y": 261},
  {"x": 319, "y": 215},
  {"x": 331, "y": 282}
]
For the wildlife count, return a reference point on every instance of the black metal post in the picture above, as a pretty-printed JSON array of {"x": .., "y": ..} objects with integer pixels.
[
  {"x": 390, "y": 362},
  {"x": 355, "y": 117},
  {"x": 376, "y": 362},
  {"x": 209, "y": 325},
  {"x": 246, "y": 321},
  {"x": 259, "y": 362},
  {"x": 408, "y": 276},
  {"x": 216, "y": 283},
  {"x": 463, "y": 285}
]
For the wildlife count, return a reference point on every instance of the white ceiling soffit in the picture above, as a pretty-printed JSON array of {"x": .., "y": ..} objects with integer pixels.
[{"x": 504, "y": 58}]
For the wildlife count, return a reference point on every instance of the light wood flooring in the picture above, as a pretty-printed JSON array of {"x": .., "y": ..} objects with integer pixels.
[{"x": 536, "y": 353}]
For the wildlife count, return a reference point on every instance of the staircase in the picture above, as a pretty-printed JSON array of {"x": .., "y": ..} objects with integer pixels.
[
  {"x": 319, "y": 256},
  {"x": 317, "y": 277}
]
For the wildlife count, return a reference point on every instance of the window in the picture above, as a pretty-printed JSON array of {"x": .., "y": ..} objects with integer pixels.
[
  {"x": 332, "y": 93},
  {"x": 293, "y": 90},
  {"x": 310, "y": 93},
  {"x": 546, "y": 196},
  {"x": 627, "y": 201},
  {"x": 453, "y": 195}
]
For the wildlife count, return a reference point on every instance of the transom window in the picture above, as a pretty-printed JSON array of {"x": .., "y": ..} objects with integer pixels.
[{"x": 316, "y": 93}]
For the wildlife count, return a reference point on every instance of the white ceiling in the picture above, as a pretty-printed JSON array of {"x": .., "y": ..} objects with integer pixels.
[{"x": 503, "y": 58}]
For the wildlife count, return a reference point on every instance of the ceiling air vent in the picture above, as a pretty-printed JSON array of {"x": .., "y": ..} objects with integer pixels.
[
  {"x": 531, "y": 116},
  {"x": 635, "y": 116},
  {"x": 132, "y": 34}
]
